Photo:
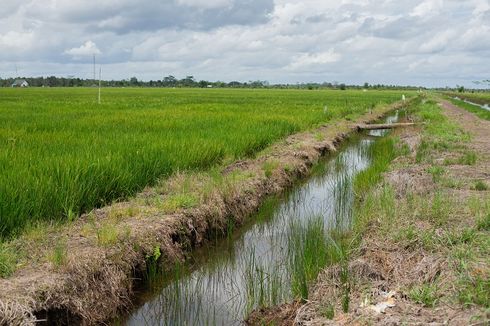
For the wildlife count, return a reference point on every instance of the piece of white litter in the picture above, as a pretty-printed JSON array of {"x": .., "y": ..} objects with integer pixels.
[{"x": 381, "y": 307}]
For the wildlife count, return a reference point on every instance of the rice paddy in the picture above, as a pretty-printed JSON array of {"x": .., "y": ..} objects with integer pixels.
[{"x": 62, "y": 154}]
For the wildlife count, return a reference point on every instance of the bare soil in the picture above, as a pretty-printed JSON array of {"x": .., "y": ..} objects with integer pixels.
[{"x": 105, "y": 252}]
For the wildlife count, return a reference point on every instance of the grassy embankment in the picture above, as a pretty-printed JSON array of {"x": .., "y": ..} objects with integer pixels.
[
  {"x": 475, "y": 98},
  {"x": 448, "y": 231},
  {"x": 62, "y": 155},
  {"x": 447, "y": 220}
]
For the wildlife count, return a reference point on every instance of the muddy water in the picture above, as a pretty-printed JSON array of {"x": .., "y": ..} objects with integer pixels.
[{"x": 215, "y": 288}]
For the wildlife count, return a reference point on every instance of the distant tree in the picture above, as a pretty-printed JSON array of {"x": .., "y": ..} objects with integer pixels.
[
  {"x": 460, "y": 89},
  {"x": 51, "y": 81},
  {"x": 169, "y": 81},
  {"x": 366, "y": 85},
  {"x": 133, "y": 81},
  {"x": 342, "y": 86},
  {"x": 188, "y": 81}
]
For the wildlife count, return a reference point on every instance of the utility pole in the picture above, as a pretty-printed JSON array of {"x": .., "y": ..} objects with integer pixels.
[
  {"x": 94, "y": 70},
  {"x": 100, "y": 76}
]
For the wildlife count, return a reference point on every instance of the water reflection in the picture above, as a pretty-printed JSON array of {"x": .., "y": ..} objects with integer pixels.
[{"x": 214, "y": 290}]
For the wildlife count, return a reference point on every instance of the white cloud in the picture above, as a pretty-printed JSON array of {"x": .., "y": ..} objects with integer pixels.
[
  {"x": 307, "y": 60},
  {"x": 427, "y": 8},
  {"x": 378, "y": 41},
  {"x": 13, "y": 40},
  {"x": 205, "y": 3},
  {"x": 87, "y": 49}
]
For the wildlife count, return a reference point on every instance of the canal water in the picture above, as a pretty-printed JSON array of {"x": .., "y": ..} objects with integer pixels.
[
  {"x": 219, "y": 285},
  {"x": 483, "y": 106}
]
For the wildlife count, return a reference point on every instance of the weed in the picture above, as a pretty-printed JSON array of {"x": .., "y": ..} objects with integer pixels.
[
  {"x": 310, "y": 249},
  {"x": 452, "y": 183},
  {"x": 382, "y": 152},
  {"x": 474, "y": 290},
  {"x": 439, "y": 210},
  {"x": 58, "y": 256},
  {"x": 107, "y": 234},
  {"x": 152, "y": 264},
  {"x": 483, "y": 224},
  {"x": 179, "y": 201},
  {"x": 480, "y": 185},
  {"x": 425, "y": 294},
  {"x": 117, "y": 213},
  {"x": 437, "y": 172},
  {"x": 7, "y": 260},
  {"x": 454, "y": 238},
  {"x": 269, "y": 167},
  {"x": 329, "y": 311},
  {"x": 469, "y": 158}
]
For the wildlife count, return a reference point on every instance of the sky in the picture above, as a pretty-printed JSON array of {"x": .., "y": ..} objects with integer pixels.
[{"x": 417, "y": 42}]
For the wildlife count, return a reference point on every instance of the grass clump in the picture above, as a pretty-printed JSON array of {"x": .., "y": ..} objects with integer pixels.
[
  {"x": 179, "y": 201},
  {"x": 8, "y": 260},
  {"x": 468, "y": 158},
  {"x": 425, "y": 294},
  {"x": 483, "y": 223},
  {"x": 382, "y": 152},
  {"x": 480, "y": 185},
  {"x": 59, "y": 254},
  {"x": 265, "y": 286},
  {"x": 269, "y": 167},
  {"x": 109, "y": 234},
  {"x": 152, "y": 264},
  {"x": 437, "y": 172},
  {"x": 328, "y": 311},
  {"x": 310, "y": 250}
]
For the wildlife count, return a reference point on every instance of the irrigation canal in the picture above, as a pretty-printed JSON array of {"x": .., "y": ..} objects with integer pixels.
[
  {"x": 483, "y": 106},
  {"x": 224, "y": 281}
]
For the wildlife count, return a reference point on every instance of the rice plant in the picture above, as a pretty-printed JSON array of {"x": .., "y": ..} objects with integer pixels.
[{"x": 62, "y": 155}]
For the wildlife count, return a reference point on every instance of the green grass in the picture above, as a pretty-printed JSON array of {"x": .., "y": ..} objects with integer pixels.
[
  {"x": 7, "y": 261},
  {"x": 61, "y": 154},
  {"x": 382, "y": 152},
  {"x": 58, "y": 256},
  {"x": 310, "y": 249},
  {"x": 478, "y": 111},
  {"x": 466, "y": 246},
  {"x": 425, "y": 294},
  {"x": 480, "y": 185},
  {"x": 437, "y": 172}
]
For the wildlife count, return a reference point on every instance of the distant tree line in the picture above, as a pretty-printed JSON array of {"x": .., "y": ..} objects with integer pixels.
[{"x": 189, "y": 81}]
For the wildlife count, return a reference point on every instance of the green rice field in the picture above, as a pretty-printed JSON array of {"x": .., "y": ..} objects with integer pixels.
[{"x": 62, "y": 154}]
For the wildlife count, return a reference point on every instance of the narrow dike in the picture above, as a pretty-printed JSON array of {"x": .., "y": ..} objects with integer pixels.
[{"x": 98, "y": 281}]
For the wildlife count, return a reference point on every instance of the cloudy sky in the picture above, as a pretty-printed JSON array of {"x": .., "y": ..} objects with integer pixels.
[{"x": 419, "y": 42}]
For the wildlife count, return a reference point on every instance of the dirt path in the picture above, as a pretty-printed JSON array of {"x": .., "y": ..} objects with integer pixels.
[
  {"x": 424, "y": 253},
  {"x": 478, "y": 128}
]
